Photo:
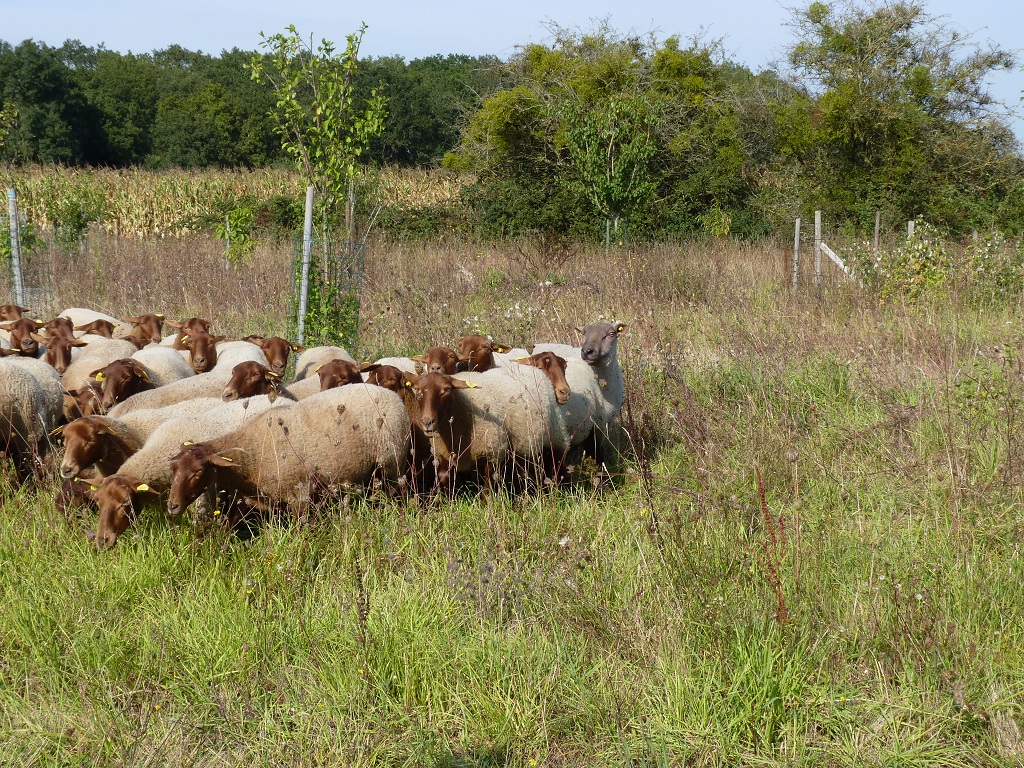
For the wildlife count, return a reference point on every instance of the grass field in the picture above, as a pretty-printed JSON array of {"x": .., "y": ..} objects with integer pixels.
[{"x": 863, "y": 609}]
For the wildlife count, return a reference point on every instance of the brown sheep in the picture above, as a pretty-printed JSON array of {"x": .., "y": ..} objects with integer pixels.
[
  {"x": 439, "y": 360},
  {"x": 187, "y": 327},
  {"x": 58, "y": 350},
  {"x": 11, "y": 312},
  {"x": 277, "y": 351},
  {"x": 476, "y": 353},
  {"x": 120, "y": 380},
  {"x": 21, "y": 331},
  {"x": 338, "y": 373},
  {"x": 554, "y": 367},
  {"x": 250, "y": 378},
  {"x": 147, "y": 330},
  {"x": 202, "y": 349},
  {"x": 103, "y": 328},
  {"x": 58, "y": 327}
]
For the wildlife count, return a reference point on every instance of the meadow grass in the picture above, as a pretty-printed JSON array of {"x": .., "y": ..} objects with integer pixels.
[{"x": 856, "y": 605}]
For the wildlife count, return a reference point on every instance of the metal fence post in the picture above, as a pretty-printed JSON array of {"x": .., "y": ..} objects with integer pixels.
[
  {"x": 19, "y": 284},
  {"x": 796, "y": 256},
  {"x": 817, "y": 247},
  {"x": 307, "y": 247}
]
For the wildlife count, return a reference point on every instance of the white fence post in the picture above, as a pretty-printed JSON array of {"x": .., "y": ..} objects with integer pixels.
[
  {"x": 19, "y": 282},
  {"x": 307, "y": 247},
  {"x": 910, "y": 229},
  {"x": 796, "y": 256},
  {"x": 878, "y": 226},
  {"x": 817, "y": 247}
]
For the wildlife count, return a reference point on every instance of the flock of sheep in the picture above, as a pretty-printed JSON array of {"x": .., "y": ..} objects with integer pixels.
[{"x": 193, "y": 417}]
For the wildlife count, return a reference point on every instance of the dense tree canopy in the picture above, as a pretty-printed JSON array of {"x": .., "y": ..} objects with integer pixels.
[{"x": 882, "y": 107}]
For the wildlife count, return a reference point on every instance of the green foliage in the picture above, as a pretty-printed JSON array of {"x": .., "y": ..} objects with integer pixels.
[
  {"x": 896, "y": 116},
  {"x": 236, "y": 229},
  {"x": 315, "y": 114}
]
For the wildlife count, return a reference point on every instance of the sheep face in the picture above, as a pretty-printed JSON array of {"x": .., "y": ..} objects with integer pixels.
[
  {"x": 148, "y": 328},
  {"x": 476, "y": 353},
  {"x": 338, "y": 373},
  {"x": 191, "y": 473},
  {"x": 387, "y": 376},
  {"x": 83, "y": 402},
  {"x": 59, "y": 327},
  {"x": 439, "y": 360},
  {"x": 84, "y": 444},
  {"x": 250, "y": 378},
  {"x": 121, "y": 379},
  {"x": 58, "y": 351},
  {"x": 21, "y": 331},
  {"x": 119, "y": 499},
  {"x": 11, "y": 312},
  {"x": 554, "y": 368},
  {"x": 435, "y": 398},
  {"x": 103, "y": 328},
  {"x": 277, "y": 351},
  {"x": 203, "y": 351},
  {"x": 599, "y": 341}
]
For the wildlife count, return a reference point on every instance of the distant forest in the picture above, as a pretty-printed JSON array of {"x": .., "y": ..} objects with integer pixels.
[{"x": 879, "y": 109}]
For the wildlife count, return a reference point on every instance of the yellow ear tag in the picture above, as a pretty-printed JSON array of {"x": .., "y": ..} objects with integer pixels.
[
  {"x": 93, "y": 488},
  {"x": 471, "y": 384},
  {"x": 225, "y": 458},
  {"x": 158, "y": 314},
  {"x": 319, "y": 367},
  {"x": 186, "y": 444},
  {"x": 142, "y": 487},
  {"x": 620, "y": 328},
  {"x": 99, "y": 377}
]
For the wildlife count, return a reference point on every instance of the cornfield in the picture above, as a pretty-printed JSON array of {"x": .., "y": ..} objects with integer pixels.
[{"x": 139, "y": 203}]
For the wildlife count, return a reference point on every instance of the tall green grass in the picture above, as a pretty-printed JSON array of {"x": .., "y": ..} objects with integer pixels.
[{"x": 630, "y": 622}]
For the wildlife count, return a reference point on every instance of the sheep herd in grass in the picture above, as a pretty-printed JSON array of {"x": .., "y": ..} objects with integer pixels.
[{"x": 195, "y": 418}]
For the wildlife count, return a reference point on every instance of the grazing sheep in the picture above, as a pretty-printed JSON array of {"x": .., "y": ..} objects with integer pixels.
[
  {"x": 103, "y": 328},
  {"x": 464, "y": 436},
  {"x": 200, "y": 385},
  {"x": 95, "y": 355},
  {"x": 82, "y": 316},
  {"x": 148, "y": 329},
  {"x": 595, "y": 378},
  {"x": 313, "y": 357},
  {"x": 31, "y": 406},
  {"x": 96, "y": 446},
  {"x": 250, "y": 378},
  {"x": 147, "y": 472},
  {"x": 338, "y": 373},
  {"x": 343, "y": 437}
]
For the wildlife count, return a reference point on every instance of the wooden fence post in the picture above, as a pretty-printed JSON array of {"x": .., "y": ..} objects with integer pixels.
[{"x": 817, "y": 247}]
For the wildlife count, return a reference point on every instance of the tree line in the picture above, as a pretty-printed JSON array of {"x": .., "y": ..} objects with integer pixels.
[{"x": 879, "y": 107}]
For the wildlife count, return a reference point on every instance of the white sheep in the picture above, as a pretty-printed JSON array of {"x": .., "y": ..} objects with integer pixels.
[
  {"x": 97, "y": 446},
  {"x": 163, "y": 365},
  {"x": 147, "y": 471},
  {"x": 595, "y": 378},
  {"x": 313, "y": 357},
  {"x": 97, "y": 354},
  {"x": 31, "y": 406},
  {"x": 231, "y": 353},
  {"x": 201, "y": 385},
  {"x": 343, "y": 437},
  {"x": 406, "y": 364}
]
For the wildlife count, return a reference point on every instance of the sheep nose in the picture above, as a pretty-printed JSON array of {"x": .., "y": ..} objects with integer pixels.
[
  {"x": 230, "y": 395},
  {"x": 173, "y": 508},
  {"x": 66, "y": 472},
  {"x": 428, "y": 424}
]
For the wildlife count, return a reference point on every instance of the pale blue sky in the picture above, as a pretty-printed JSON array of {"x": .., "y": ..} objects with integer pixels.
[{"x": 754, "y": 31}]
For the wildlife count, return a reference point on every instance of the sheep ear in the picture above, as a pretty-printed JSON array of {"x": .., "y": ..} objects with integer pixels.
[
  {"x": 174, "y": 323},
  {"x": 298, "y": 348},
  {"x": 221, "y": 461},
  {"x": 620, "y": 328},
  {"x": 410, "y": 378},
  {"x": 500, "y": 348},
  {"x": 40, "y": 339},
  {"x": 419, "y": 358},
  {"x": 98, "y": 375},
  {"x": 58, "y": 432},
  {"x": 218, "y": 339},
  {"x": 141, "y": 372},
  {"x": 463, "y": 384},
  {"x": 317, "y": 369},
  {"x": 580, "y": 331},
  {"x": 6, "y": 326},
  {"x": 79, "y": 343},
  {"x": 367, "y": 367}
]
